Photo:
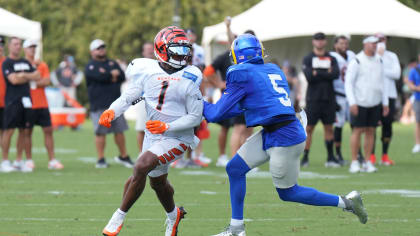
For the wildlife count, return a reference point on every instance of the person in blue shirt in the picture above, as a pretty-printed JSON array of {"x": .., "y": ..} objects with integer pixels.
[
  {"x": 414, "y": 85},
  {"x": 261, "y": 93}
]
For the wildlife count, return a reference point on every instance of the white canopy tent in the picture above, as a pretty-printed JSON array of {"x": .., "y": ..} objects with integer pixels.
[
  {"x": 285, "y": 26},
  {"x": 14, "y": 25}
]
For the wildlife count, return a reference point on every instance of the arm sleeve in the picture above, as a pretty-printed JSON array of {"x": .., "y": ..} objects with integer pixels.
[
  {"x": 393, "y": 69},
  {"x": 227, "y": 106},
  {"x": 350, "y": 80},
  {"x": 132, "y": 93},
  {"x": 194, "y": 105}
]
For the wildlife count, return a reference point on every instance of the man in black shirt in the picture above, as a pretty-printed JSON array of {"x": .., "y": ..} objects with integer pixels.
[
  {"x": 17, "y": 73},
  {"x": 320, "y": 69},
  {"x": 104, "y": 78}
]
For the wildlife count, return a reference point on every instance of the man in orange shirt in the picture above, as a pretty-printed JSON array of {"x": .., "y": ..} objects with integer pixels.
[
  {"x": 41, "y": 114},
  {"x": 2, "y": 85}
]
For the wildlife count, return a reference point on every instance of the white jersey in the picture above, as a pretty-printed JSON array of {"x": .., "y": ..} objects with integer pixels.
[
  {"x": 342, "y": 65},
  {"x": 172, "y": 98}
]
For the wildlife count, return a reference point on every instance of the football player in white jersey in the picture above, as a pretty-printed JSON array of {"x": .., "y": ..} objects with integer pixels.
[
  {"x": 174, "y": 107},
  {"x": 343, "y": 56}
]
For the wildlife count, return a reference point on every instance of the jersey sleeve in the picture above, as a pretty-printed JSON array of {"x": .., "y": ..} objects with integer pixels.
[{"x": 194, "y": 107}]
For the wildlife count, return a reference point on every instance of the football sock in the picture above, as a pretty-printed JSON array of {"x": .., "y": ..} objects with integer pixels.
[
  {"x": 338, "y": 150},
  {"x": 309, "y": 196},
  {"x": 121, "y": 212},
  {"x": 341, "y": 203},
  {"x": 305, "y": 154},
  {"x": 329, "y": 145},
  {"x": 172, "y": 215},
  {"x": 235, "y": 222},
  {"x": 236, "y": 170},
  {"x": 385, "y": 146}
]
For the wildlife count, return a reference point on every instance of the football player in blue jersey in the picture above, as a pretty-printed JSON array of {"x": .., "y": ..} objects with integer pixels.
[{"x": 260, "y": 91}]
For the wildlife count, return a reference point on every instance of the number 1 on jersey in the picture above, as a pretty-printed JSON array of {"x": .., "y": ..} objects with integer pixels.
[
  {"x": 283, "y": 100},
  {"x": 165, "y": 85}
]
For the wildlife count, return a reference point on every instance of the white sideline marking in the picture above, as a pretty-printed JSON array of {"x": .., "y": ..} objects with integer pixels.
[
  {"x": 87, "y": 159},
  {"x": 42, "y": 150},
  {"x": 56, "y": 192},
  {"x": 401, "y": 192},
  {"x": 208, "y": 192}
]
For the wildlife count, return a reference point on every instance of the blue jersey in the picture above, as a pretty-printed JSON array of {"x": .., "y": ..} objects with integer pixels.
[{"x": 260, "y": 91}]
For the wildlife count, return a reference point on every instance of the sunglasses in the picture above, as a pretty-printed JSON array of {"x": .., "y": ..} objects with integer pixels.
[{"x": 101, "y": 47}]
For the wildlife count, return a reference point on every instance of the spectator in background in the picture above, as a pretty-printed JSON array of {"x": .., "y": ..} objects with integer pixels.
[
  {"x": 343, "y": 56},
  {"x": 392, "y": 73},
  {"x": 198, "y": 56},
  {"x": 320, "y": 69},
  {"x": 414, "y": 84},
  {"x": 2, "y": 85},
  {"x": 292, "y": 81},
  {"x": 147, "y": 52},
  {"x": 40, "y": 114},
  {"x": 407, "y": 115},
  {"x": 17, "y": 72},
  {"x": 104, "y": 78},
  {"x": 67, "y": 77},
  {"x": 366, "y": 94}
]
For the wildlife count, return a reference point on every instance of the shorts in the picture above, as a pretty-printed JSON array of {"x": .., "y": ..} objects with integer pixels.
[
  {"x": 41, "y": 117},
  {"x": 118, "y": 125},
  {"x": 239, "y": 120},
  {"x": 324, "y": 111},
  {"x": 284, "y": 161},
  {"x": 391, "y": 114},
  {"x": 416, "y": 108},
  {"x": 16, "y": 116},
  {"x": 367, "y": 116},
  {"x": 226, "y": 123},
  {"x": 167, "y": 150},
  {"x": 342, "y": 115},
  {"x": 1, "y": 118},
  {"x": 141, "y": 116}
]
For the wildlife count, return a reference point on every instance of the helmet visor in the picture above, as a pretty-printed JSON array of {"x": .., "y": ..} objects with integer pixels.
[{"x": 180, "y": 50}]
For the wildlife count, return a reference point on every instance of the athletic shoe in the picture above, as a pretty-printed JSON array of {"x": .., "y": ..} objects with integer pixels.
[
  {"x": 368, "y": 167},
  {"x": 190, "y": 163},
  {"x": 340, "y": 159},
  {"x": 125, "y": 161},
  {"x": 200, "y": 163},
  {"x": 354, "y": 204},
  {"x": 372, "y": 158},
  {"x": 233, "y": 231},
  {"x": 22, "y": 166},
  {"x": 102, "y": 163},
  {"x": 55, "y": 164},
  {"x": 386, "y": 160},
  {"x": 6, "y": 167},
  {"x": 204, "y": 159},
  {"x": 354, "y": 167},
  {"x": 172, "y": 226},
  {"x": 114, "y": 225},
  {"x": 304, "y": 162},
  {"x": 332, "y": 163},
  {"x": 222, "y": 161},
  {"x": 30, "y": 164},
  {"x": 416, "y": 148}
]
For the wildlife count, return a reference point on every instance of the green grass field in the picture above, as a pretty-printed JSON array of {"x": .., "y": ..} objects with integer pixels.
[{"x": 80, "y": 199}]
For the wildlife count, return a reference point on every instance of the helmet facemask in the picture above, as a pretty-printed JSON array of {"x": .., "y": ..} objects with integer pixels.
[{"x": 178, "y": 55}]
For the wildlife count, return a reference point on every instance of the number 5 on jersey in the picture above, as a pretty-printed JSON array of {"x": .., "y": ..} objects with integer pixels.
[{"x": 283, "y": 100}]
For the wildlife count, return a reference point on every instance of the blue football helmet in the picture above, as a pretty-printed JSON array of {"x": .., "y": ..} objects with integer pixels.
[{"x": 246, "y": 47}]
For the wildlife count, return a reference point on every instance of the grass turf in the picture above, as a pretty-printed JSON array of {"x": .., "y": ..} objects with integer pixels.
[{"x": 80, "y": 199}]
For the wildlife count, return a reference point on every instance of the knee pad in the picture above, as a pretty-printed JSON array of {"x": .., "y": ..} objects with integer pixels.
[
  {"x": 237, "y": 167},
  {"x": 337, "y": 134}
]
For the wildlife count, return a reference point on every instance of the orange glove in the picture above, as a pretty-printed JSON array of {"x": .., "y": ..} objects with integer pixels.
[
  {"x": 156, "y": 126},
  {"x": 106, "y": 118}
]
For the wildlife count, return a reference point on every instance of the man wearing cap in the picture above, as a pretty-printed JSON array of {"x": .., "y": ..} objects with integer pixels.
[
  {"x": 17, "y": 72},
  {"x": 320, "y": 69},
  {"x": 368, "y": 98},
  {"x": 40, "y": 114},
  {"x": 104, "y": 78},
  {"x": 392, "y": 73}
]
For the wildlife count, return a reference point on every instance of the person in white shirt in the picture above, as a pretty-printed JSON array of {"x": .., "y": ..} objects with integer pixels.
[
  {"x": 367, "y": 97},
  {"x": 392, "y": 73},
  {"x": 174, "y": 107},
  {"x": 343, "y": 56}
]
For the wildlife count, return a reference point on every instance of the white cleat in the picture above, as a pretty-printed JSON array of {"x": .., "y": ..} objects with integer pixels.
[
  {"x": 6, "y": 167},
  {"x": 354, "y": 204},
  {"x": 204, "y": 159},
  {"x": 172, "y": 226},
  {"x": 354, "y": 167},
  {"x": 233, "y": 231},
  {"x": 222, "y": 161},
  {"x": 368, "y": 167},
  {"x": 55, "y": 164},
  {"x": 22, "y": 166},
  {"x": 416, "y": 148},
  {"x": 114, "y": 225}
]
